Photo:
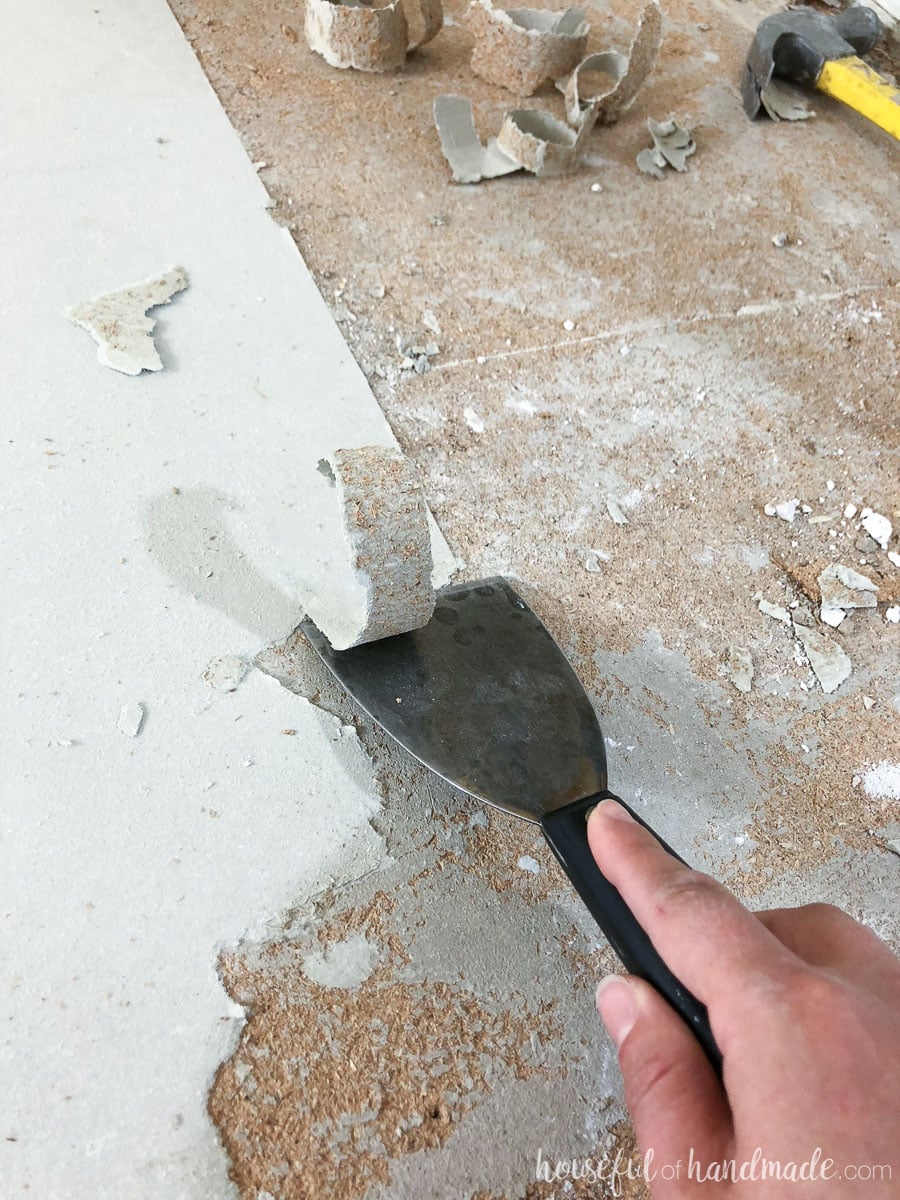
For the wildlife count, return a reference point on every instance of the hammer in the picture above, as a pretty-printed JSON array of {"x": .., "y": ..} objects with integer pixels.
[{"x": 809, "y": 47}]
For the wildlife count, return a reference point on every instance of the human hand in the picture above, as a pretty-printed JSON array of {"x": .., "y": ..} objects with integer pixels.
[{"x": 805, "y": 1006}]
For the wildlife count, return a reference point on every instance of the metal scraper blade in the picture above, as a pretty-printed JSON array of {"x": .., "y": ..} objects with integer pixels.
[{"x": 483, "y": 696}]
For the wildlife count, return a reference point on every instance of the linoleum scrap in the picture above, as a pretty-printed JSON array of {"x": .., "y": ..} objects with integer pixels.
[
  {"x": 841, "y": 588},
  {"x": 385, "y": 522},
  {"x": 370, "y": 37},
  {"x": 740, "y": 662},
  {"x": 830, "y": 664},
  {"x": 529, "y": 140},
  {"x": 775, "y": 611},
  {"x": 541, "y": 144},
  {"x": 469, "y": 160},
  {"x": 626, "y": 73},
  {"x": 784, "y": 103},
  {"x": 672, "y": 147},
  {"x": 118, "y": 322},
  {"x": 521, "y": 48}
]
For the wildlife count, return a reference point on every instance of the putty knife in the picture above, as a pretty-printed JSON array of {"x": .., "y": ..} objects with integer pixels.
[{"x": 484, "y": 697}]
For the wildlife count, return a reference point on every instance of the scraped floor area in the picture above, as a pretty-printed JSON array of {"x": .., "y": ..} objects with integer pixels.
[{"x": 694, "y": 350}]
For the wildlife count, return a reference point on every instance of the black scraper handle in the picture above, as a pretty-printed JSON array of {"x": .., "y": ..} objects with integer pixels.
[{"x": 566, "y": 832}]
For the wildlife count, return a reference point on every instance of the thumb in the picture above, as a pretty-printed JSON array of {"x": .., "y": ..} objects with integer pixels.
[{"x": 677, "y": 1103}]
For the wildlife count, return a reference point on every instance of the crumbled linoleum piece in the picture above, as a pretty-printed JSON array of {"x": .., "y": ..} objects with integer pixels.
[
  {"x": 118, "y": 322},
  {"x": 841, "y": 588},
  {"x": 521, "y": 48},
  {"x": 625, "y": 73},
  {"x": 776, "y": 611},
  {"x": 740, "y": 662},
  {"x": 672, "y": 146},
  {"x": 830, "y": 664},
  {"x": 418, "y": 358},
  {"x": 595, "y": 560},
  {"x": 469, "y": 160},
  {"x": 615, "y": 511},
  {"x": 784, "y": 103},
  {"x": 541, "y": 144},
  {"x": 131, "y": 719},
  {"x": 878, "y": 527},
  {"x": 385, "y": 524},
  {"x": 226, "y": 672},
  {"x": 363, "y": 36}
]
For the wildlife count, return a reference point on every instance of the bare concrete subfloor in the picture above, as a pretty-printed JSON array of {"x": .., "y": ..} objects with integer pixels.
[{"x": 707, "y": 373}]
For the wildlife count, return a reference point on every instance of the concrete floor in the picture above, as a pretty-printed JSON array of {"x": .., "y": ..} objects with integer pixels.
[{"x": 708, "y": 373}]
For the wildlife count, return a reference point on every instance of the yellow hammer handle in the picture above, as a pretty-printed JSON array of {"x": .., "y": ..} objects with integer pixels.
[{"x": 852, "y": 82}]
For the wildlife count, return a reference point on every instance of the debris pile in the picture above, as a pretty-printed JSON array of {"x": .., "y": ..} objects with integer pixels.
[
  {"x": 520, "y": 49},
  {"x": 841, "y": 588}
]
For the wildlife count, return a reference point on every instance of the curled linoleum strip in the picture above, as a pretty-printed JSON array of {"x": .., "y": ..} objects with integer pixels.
[
  {"x": 521, "y": 48},
  {"x": 540, "y": 143},
  {"x": 385, "y": 522},
  {"x": 425, "y": 20},
  {"x": 625, "y": 73},
  {"x": 370, "y": 37},
  {"x": 470, "y": 160}
]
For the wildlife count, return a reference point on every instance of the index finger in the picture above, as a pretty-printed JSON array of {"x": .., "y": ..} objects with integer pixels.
[{"x": 706, "y": 937}]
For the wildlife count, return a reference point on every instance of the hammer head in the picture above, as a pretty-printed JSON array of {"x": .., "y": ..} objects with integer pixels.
[{"x": 797, "y": 44}]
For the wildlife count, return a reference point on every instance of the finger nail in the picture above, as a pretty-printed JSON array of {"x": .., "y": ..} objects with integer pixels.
[
  {"x": 613, "y": 810},
  {"x": 618, "y": 1006}
]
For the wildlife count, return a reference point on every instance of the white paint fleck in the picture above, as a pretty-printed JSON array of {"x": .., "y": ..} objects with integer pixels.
[
  {"x": 225, "y": 672},
  {"x": 473, "y": 420},
  {"x": 740, "y": 661},
  {"x": 882, "y": 781},
  {"x": 522, "y": 406},
  {"x": 878, "y": 527},
  {"x": 615, "y": 511},
  {"x": 131, "y": 718},
  {"x": 568, "y": 325},
  {"x": 893, "y": 614},
  {"x": 787, "y": 510},
  {"x": 527, "y": 863},
  {"x": 894, "y": 557},
  {"x": 850, "y": 510},
  {"x": 118, "y": 322}
]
